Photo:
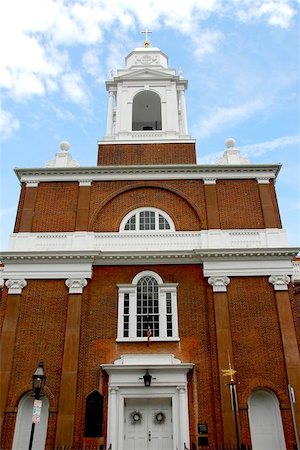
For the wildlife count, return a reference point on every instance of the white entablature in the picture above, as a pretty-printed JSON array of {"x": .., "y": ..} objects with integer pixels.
[{"x": 146, "y": 99}]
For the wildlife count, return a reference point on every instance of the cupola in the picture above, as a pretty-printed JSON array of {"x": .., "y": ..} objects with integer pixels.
[{"x": 146, "y": 99}]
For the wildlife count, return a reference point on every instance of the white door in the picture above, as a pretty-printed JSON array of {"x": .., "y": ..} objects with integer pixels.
[
  {"x": 265, "y": 421},
  {"x": 148, "y": 424}
]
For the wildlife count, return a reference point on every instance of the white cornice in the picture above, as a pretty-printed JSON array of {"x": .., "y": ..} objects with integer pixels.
[
  {"x": 79, "y": 265},
  {"x": 149, "y": 172}
]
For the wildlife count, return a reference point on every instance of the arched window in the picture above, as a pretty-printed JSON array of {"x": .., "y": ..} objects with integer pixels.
[
  {"x": 94, "y": 415},
  {"x": 146, "y": 111},
  {"x": 147, "y": 302},
  {"x": 265, "y": 421},
  {"x": 147, "y": 219},
  {"x": 24, "y": 422}
]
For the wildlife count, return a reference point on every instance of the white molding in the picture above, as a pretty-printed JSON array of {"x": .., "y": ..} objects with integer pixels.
[
  {"x": 280, "y": 282},
  {"x": 85, "y": 182},
  {"x": 263, "y": 180},
  {"x": 126, "y": 381},
  {"x": 76, "y": 285},
  {"x": 138, "y": 241},
  {"x": 47, "y": 270},
  {"x": 210, "y": 181},
  {"x": 296, "y": 271},
  {"x": 247, "y": 267},
  {"x": 219, "y": 284},
  {"x": 150, "y": 172},
  {"x": 132, "y": 321},
  {"x": 34, "y": 183},
  {"x": 136, "y": 211},
  {"x": 15, "y": 286}
]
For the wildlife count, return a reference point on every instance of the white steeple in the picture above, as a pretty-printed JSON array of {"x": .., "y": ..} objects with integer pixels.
[{"x": 146, "y": 99}]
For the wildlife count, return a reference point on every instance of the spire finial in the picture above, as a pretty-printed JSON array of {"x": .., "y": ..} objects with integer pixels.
[{"x": 146, "y": 32}]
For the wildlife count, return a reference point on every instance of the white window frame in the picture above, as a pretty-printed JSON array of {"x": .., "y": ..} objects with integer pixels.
[
  {"x": 136, "y": 212},
  {"x": 163, "y": 289}
]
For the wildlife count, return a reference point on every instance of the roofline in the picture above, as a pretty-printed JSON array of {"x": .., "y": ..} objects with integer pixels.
[{"x": 170, "y": 171}]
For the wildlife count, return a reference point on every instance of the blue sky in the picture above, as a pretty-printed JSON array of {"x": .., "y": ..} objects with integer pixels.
[{"x": 241, "y": 58}]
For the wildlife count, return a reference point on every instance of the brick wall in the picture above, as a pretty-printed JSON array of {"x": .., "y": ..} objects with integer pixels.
[
  {"x": 56, "y": 204},
  {"x": 137, "y": 154},
  {"x": 257, "y": 347}
]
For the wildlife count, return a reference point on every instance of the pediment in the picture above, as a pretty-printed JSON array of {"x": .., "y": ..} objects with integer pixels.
[{"x": 145, "y": 74}]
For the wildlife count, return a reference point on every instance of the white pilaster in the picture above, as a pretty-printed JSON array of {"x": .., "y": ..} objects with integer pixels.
[
  {"x": 15, "y": 286},
  {"x": 184, "y": 128},
  {"x": 219, "y": 284},
  {"x": 112, "y": 432},
  {"x": 110, "y": 111},
  {"x": 184, "y": 425},
  {"x": 76, "y": 285},
  {"x": 280, "y": 282}
]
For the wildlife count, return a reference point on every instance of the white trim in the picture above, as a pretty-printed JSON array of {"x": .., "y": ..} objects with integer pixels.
[
  {"x": 126, "y": 381},
  {"x": 163, "y": 240},
  {"x": 247, "y": 268},
  {"x": 48, "y": 271},
  {"x": 76, "y": 285},
  {"x": 131, "y": 290},
  {"x": 150, "y": 172},
  {"x": 146, "y": 273},
  {"x": 15, "y": 286},
  {"x": 280, "y": 282},
  {"x": 219, "y": 284},
  {"x": 157, "y": 211}
]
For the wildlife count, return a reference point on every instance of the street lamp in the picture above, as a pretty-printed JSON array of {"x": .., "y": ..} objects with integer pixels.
[{"x": 38, "y": 382}]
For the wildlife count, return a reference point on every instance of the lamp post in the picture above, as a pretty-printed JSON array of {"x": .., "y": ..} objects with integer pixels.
[{"x": 38, "y": 382}]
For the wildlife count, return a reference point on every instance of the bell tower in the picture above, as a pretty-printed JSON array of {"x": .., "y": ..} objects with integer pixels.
[{"x": 146, "y": 106}]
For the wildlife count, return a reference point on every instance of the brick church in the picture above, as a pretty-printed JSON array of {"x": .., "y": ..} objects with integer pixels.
[{"x": 157, "y": 292}]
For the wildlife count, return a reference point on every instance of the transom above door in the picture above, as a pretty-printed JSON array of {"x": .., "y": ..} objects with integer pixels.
[{"x": 148, "y": 424}]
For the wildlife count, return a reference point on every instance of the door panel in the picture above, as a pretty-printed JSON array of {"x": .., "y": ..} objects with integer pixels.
[{"x": 148, "y": 433}]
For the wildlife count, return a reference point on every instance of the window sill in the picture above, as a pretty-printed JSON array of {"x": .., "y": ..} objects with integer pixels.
[{"x": 153, "y": 339}]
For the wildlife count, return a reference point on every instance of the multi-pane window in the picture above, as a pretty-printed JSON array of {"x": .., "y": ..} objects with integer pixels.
[
  {"x": 147, "y": 303},
  {"x": 169, "y": 313},
  {"x": 147, "y": 307},
  {"x": 147, "y": 219}
]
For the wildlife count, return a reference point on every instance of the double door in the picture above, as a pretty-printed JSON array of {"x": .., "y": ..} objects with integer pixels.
[{"x": 148, "y": 424}]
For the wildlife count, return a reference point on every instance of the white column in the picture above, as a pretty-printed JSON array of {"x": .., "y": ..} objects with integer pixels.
[
  {"x": 110, "y": 110},
  {"x": 184, "y": 421},
  {"x": 113, "y": 418},
  {"x": 184, "y": 128}
]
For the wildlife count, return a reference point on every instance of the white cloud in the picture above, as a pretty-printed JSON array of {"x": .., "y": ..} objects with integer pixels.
[
  {"x": 275, "y": 12},
  {"x": 75, "y": 88},
  {"x": 8, "y": 124},
  {"x": 261, "y": 148},
  {"x": 91, "y": 64},
  {"x": 256, "y": 150},
  {"x": 222, "y": 117},
  {"x": 206, "y": 42},
  {"x": 33, "y": 57}
]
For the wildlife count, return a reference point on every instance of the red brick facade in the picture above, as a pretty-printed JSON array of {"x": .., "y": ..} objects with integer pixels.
[
  {"x": 57, "y": 205},
  {"x": 255, "y": 344}
]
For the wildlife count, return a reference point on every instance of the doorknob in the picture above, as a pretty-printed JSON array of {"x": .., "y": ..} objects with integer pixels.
[{"x": 149, "y": 436}]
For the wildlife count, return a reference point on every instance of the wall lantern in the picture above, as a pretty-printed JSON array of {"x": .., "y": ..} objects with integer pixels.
[
  {"x": 147, "y": 379},
  {"x": 38, "y": 380}
]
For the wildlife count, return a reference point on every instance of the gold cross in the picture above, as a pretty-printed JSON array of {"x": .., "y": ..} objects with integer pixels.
[{"x": 146, "y": 32}]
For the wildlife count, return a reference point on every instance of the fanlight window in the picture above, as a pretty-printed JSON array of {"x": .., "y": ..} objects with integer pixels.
[
  {"x": 146, "y": 111},
  {"x": 147, "y": 220},
  {"x": 147, "y": 303}
]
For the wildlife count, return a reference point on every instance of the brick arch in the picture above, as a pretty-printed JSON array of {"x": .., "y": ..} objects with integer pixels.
[
  {"x": 16, "y": 398},
  {"x": 261, "y": 383},
  {"x": 181, "y": 209}
]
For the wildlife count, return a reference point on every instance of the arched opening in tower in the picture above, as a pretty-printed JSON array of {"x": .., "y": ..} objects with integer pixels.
[{"x": 146, "y": 111}]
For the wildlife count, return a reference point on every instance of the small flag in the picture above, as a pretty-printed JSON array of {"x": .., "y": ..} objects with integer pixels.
[{"x": 149, "y": 334}]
